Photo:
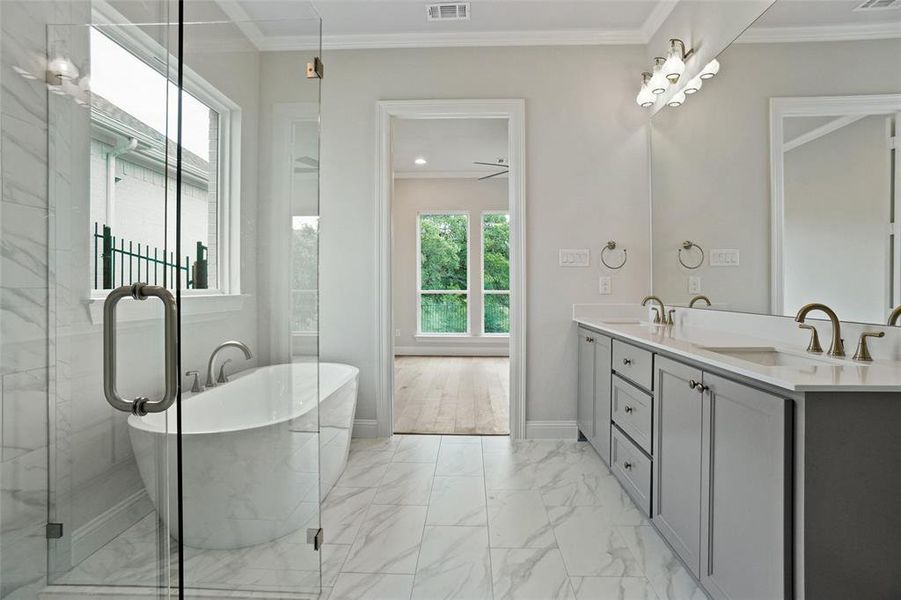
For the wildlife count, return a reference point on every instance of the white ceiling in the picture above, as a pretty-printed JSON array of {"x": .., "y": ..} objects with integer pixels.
[
  {"x": 403, "y": 23},
  {"x": 293, "y": 24},
  {"x": 449, "y": 145}
]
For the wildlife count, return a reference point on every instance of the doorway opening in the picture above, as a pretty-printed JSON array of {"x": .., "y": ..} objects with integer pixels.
[{"x": 452, "y": 311}]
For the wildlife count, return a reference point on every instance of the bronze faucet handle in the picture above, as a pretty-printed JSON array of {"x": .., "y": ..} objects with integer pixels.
[
  {"x": 657, "y": 318},
  {"x": 863, "y": 351},
  {"x": 814, "y": 346},
  {"x": 669, "y": 316}
]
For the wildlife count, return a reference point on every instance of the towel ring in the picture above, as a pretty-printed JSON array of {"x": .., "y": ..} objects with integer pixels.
[
  {"x": 611, "y": 245},
  {"x": 688, "y": 245}
]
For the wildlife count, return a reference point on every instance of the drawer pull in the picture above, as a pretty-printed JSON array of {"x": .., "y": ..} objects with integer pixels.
[
  {"x": 627, "y": 361},
  {"x": 589, "y": 339},
  {"x": 627, "y": 466},
  {"x": 628, "y": 409}
]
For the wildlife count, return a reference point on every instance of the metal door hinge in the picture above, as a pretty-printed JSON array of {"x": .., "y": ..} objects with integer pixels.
[
  {"x": 54, "y": 531},
  {"x": 314, "y": 536},
  {"x": 315, "y": 69}
]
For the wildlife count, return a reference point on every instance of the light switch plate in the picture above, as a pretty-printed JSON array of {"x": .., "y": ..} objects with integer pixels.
[
  {"x": 694, "y": 284},
  {"x": 724, "y": 257},
  {"x": 605, "y": 287},
  {"x": 578, "y": 257}
]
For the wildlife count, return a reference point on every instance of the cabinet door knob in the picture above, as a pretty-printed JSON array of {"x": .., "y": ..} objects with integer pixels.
[
  {"x": 628, "y": 409},
  {"x": 589, "y": 339},
  {"x": 693, "y": 384},
  {"x": 627, "y": 466},
  {"x": 627, "y": 361}
]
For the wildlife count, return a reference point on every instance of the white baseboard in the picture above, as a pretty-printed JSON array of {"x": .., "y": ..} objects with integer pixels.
[
  {"x": 450, "y": 351},
  {"x": 366, "y": 428},
  {"x": 97, "y": 532},
  {"x": 552, "y": 430}
]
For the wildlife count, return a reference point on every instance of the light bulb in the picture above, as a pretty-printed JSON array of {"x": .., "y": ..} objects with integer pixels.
[
  {"x": 677, "y": 100},
  {"x": 710, "y": 69},
  {"x": 674, "y": 65},
  {"x": 645, "y": 98},
  {"x": 694, "y": 84},
  {"x": 658, "y": 82}
]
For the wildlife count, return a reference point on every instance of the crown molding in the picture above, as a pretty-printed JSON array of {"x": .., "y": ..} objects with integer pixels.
[
  {"x": 655, "y": 20},
  {"x": 825, "y": 33},
  {"x": 247, "y": 26},
  {"x": 581, "y": 37},
  {"x": 444, "y": 175}
]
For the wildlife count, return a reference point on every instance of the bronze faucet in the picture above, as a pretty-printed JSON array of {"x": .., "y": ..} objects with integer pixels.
[
  {"x": 893, "y": 318},
  {"x": 838, "y": 347},
  {"x": 662, "y": 311},
  {"x": 699, "y": 298}
]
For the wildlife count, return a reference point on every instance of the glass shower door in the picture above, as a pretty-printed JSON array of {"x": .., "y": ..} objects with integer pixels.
[
  {"x": 112, "y": 362},
  {"x": 249, "y": 320}
]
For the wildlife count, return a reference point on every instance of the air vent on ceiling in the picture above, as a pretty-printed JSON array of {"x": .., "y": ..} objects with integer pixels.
[
  {"x": 457, "y": 11},
  {"x": 879, "y": 4}
]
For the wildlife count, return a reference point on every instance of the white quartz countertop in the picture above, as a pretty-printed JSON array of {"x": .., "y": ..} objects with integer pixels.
[{"x": 823, "y": 374}]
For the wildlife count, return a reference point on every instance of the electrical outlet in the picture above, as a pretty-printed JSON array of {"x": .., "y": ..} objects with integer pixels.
[
  {"x": 397, "y": 333},
  {"x": 580, "y": 257},
  {"x": 694, "y": 284},
  {"x": 605, "y": 287}
]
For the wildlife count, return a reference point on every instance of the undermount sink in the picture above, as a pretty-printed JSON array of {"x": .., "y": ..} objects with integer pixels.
[{"x": 769, "y": 357}]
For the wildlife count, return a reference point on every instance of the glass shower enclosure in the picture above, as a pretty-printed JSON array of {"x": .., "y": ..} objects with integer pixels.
[{"x": 183, "y": 208}]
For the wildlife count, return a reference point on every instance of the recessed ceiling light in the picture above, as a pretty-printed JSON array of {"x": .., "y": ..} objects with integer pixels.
[{"x": 420, "y": 161}]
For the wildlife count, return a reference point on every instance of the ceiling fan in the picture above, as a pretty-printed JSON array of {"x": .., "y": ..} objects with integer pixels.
[{"x": 500, "y": 164}]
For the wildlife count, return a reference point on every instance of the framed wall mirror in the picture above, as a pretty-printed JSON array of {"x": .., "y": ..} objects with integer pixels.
[{"x": 783, "y": 171}]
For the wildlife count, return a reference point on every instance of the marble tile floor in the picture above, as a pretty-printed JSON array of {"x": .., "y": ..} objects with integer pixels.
[{"x": 429, "y": 517}]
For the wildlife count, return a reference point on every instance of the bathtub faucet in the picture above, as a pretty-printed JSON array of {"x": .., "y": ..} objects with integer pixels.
[{"x": 230, "y": 344}]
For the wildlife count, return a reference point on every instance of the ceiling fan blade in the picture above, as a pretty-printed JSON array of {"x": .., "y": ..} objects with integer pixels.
[
  {"x": 504, "y": 165},
  {"x": 493, "y": 175}
]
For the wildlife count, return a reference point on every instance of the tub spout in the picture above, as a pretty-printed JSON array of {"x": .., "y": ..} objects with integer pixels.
[{"x": 210, "y": 382}]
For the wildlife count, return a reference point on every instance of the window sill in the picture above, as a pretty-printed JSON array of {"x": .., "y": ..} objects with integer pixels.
[
  {"x": 438, "y": 337},
  {"x": 193, "y": 308}
]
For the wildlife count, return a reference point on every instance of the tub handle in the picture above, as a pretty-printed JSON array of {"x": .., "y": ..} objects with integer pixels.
[{"x": 141, "y": 405}]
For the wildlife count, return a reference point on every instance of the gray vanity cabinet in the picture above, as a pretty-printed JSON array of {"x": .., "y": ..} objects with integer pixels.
[
  {"x": 678, "y": 425},
  {"x": 743, "y": 500},
  {"x": 603, "y": 379},
  {"x": 585, "y": 408},
  {"x": 593, "y": 410}
]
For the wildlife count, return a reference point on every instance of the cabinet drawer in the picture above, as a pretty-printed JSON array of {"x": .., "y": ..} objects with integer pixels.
[
  {"x": 632, "y": 468},
  {"x": 633, "y": 363},
  {"x": 631, "y": 410}
]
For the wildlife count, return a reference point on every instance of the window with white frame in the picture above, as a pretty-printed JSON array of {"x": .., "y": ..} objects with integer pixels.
[
  {"x": 443, "y": 274},
  {"x": 495, "y": 273},
  {"x": 133, "y": 129}
]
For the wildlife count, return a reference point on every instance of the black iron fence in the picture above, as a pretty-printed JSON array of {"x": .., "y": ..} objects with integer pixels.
[{"x": 122, "y": 262}]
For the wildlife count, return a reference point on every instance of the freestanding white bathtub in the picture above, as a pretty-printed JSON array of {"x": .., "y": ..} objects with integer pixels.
[{"x": 256, "y": 461}]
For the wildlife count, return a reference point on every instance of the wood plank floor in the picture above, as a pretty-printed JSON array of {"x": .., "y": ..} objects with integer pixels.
[{"x": 452, "y": 394}]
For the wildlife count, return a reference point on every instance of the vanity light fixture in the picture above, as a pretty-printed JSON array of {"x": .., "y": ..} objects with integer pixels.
[
  {"x": 420, "y": 161},
  {"x": 694, "y": 85},
  {"x": 710, "y": 69},
  {"x": 658, "y": 82},
  {"x": 646, "y": 97},
  {"x": 677, "y": 99},
  {"x": 675, "y": 60}
]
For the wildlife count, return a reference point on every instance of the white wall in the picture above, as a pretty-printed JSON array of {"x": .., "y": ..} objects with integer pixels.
[
  {"x": 711, "y": 158},
  {"x": 412, "y": 196},
  {"x": 837, "y": 203},
  {"x": 586, "y": 169}
]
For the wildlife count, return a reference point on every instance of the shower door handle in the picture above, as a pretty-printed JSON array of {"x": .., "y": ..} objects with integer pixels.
[{"x": 141, "y": 405}]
